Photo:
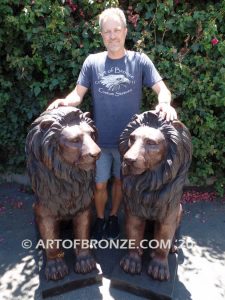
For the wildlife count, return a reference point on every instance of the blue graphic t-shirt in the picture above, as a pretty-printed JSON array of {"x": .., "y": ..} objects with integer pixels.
[{"x": 116, "y": 87}]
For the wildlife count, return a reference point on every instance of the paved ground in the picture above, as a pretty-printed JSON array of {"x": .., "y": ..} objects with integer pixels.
[{"x": 201, "y": 258}]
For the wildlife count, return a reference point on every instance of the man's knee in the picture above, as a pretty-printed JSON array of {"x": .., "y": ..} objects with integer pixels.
[
  {"x": 101, "y": 187},
  {"x": 117, "y": 182}
]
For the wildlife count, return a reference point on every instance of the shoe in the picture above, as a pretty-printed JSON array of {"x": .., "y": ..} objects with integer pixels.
[
  {"x": 112, "y": 228},
  {"x": 98, "y": 229}
]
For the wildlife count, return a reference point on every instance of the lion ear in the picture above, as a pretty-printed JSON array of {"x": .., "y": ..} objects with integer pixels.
[
  {"x": 134, "y": 117},
  {"x": 87, "y": 114},
  {"x": 45, "y": 124},
  {"x": 177, "y": 125}
]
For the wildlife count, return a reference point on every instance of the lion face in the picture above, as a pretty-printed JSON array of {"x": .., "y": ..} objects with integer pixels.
[
  {"x": 146, "y": 150},
  {"x": 77, "y": 146}
]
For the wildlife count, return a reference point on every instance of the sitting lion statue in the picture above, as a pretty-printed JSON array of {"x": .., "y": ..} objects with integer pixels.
[
  {"x": 61, "y": 154},
  {"x": 155, "y": 156}
]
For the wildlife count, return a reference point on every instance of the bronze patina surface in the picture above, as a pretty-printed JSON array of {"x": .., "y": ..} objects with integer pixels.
[
  {"x": 61, "y": 152},
  {"x": 156, "y": 156}
]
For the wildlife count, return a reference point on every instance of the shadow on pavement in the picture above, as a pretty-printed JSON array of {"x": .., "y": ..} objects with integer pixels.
[{"x": 201, "y": 257}]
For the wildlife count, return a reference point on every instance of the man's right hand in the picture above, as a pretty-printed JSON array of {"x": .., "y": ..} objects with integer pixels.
[
  {"x": 73, "y": 99},
  {"x": 57, "y": 103}
]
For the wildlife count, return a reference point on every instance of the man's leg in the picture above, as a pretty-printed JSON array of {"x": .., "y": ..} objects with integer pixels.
[
  {"x": 100, "y": 198},
  {"x": 117, "y": 183},
  {"x": 112, "y": 227},
  {"x": 103, "y": 173},
  {"x": 116, "y": 196}
]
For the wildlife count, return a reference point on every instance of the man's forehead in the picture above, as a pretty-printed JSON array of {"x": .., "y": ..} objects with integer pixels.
[{"x": 108, "y": 20}]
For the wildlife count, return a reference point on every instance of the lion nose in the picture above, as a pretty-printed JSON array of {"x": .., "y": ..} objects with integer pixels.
[
  {"x": 129, "y": 160},
  {"x": 95, "y": 155}
]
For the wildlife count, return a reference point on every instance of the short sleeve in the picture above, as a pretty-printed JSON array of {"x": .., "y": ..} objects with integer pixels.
[
  {"x": 84, "y": 78},
  {"x": 150, "y": 75}
]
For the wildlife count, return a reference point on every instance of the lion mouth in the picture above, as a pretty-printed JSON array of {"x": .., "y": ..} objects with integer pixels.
[
  {"x": 132, "y": 170},
  {"x": 86, "y": 165},
  {"x": 136, "y": 171}
]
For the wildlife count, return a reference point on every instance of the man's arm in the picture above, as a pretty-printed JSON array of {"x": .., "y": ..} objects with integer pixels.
[
  {"x": 164, "y": 99},
  {"x": 73, "y": 99}
]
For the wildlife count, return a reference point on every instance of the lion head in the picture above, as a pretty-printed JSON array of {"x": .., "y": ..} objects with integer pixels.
[
  {"x": 156, "y": 156},
  {"x": 61, "y": 152}
]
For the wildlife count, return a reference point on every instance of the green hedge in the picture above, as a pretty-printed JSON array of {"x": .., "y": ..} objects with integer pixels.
[{"x": 44, "y": 43}]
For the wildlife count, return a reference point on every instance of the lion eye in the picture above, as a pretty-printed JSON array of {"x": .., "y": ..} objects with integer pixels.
[
  {"x": 132, "y": 139},
  {"x": 93, "y": 136},
  {"x": 150, "y": 142},
  {"x": 75, "y": 140}
]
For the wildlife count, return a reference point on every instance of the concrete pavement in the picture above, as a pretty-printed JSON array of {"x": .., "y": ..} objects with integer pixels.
[{"x": 201, "y": 257}]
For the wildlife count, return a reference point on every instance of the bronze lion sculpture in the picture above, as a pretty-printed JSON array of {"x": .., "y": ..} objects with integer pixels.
[
  {"x": 155, "y": 157},
  {"x": 61, "y": 153}
]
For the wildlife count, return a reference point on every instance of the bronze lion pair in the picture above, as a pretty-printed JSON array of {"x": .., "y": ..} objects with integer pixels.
[{"x": 61, "y": 153}]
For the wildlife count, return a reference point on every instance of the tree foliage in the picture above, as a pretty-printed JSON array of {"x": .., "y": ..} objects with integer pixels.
[{"x": 44, "y": 43}]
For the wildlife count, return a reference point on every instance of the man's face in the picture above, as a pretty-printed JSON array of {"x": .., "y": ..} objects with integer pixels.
[{"x": 113, "y": 34}]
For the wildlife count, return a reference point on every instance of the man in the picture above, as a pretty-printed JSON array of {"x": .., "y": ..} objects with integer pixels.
[{"x": 116, "y": 78}]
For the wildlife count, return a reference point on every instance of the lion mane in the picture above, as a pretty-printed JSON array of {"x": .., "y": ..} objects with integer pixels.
[
  {"x": 153, "y": 194},
  {"x": 58, "y": 185}
]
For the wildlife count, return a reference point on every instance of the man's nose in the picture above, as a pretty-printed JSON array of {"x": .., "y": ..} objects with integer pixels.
[{"x": 112, "y": 35}]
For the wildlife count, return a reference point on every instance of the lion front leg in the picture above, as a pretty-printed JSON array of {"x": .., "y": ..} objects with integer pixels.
[
  {"x": 134, "y": 227},
  {"x": 85, "y": 261},
  {"x": 163, "y": 234},
  {"x": 56, "y": 267}
]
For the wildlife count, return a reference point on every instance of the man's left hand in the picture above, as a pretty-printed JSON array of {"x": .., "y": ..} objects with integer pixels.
[{"x": 166, "y": 111}]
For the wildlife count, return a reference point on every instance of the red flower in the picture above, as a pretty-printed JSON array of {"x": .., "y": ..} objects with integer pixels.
[
  {"x": 214, "y": 41},
  {"x": 72, "y": 6}
]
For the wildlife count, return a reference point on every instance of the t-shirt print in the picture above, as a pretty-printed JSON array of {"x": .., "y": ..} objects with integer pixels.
[{"x": 116, "y": 84}]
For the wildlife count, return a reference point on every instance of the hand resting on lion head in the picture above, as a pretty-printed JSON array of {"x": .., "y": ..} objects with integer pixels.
[
  {"x": 155, "y": 157},
  {"x": 61, "y": 152}
]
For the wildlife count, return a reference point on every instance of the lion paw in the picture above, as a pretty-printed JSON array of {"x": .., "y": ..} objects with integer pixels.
[
  {"x": 131, "y": 263},
  {"x": 159, "y": 269},
  {"x": 84, "y": 264},
  {"x": 56, "y": 269}
]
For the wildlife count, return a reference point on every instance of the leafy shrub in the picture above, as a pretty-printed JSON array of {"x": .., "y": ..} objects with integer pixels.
[{"x": 44, "y": 43}]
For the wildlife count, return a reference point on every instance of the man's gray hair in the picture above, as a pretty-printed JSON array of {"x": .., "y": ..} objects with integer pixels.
[{"x": 112, "y": 11}]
